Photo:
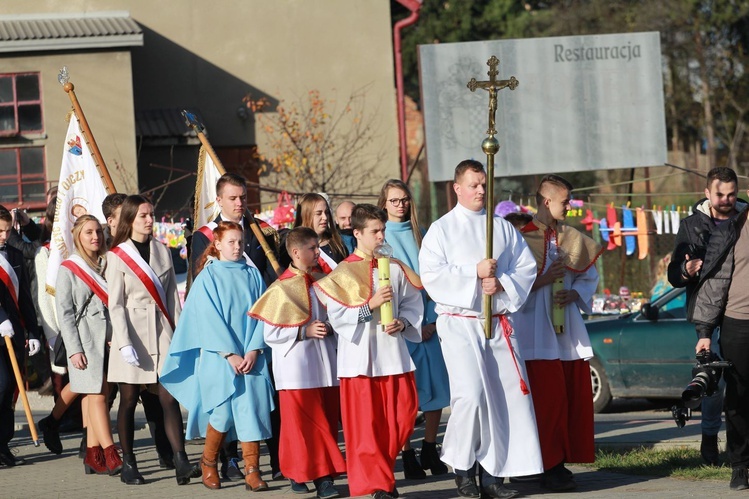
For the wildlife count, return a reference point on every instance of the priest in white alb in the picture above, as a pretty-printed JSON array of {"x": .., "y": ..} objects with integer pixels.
[{"x": 492, "y": 428}]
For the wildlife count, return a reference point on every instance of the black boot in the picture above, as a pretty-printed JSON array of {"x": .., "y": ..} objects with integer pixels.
[
  {"x": 51, "y": 431},
  {"x": 183, "y": 468},
  {"x": 738, "y": 479},
  {"x": 430, "y": 458},
  {"x": 411, "y": 467},
  {"x": 708, "y": 450},
  {"x": 130, "y": 474},
  {"x": 82, "y": 448}
]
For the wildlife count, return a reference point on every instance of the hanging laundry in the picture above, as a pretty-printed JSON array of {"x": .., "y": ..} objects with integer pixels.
[
  {"x": 628, "y": 226},
  {"x": 675, "y": 220},
  {"x": 658, "y": 218}
]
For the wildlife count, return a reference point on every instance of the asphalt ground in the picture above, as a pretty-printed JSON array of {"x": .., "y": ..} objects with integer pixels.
[{"x": 50, "y": 476}]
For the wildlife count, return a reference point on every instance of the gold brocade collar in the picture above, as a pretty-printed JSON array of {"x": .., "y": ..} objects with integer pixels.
[
  {"x": 352, "y": 283},
  {"x": 286, "y": 303},
  {"x": 579, "y": 251}
]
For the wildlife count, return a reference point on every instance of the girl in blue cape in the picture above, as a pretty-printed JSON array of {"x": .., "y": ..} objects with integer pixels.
[
  {"x": 216, "y": 367},
  {"x": 403, "y": 234}
]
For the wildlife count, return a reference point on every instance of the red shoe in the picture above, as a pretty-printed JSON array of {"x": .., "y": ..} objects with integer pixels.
[
  {"x": 94, "y": 461},
  {"x": 112, "y": 460}
]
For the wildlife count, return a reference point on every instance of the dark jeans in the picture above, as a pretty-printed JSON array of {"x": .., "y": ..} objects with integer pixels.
[
  {"x": 7, "y": 388},
  {"x": 734, "y": 346}
]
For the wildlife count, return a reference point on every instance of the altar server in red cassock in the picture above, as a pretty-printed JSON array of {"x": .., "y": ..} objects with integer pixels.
[{"x": 378, "y": 391}]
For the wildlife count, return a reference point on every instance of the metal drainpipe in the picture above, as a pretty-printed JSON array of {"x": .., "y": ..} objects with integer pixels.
[{"x": 414, "y": 6}]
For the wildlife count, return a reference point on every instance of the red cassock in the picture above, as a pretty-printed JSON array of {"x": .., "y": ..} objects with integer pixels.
[
  {"x": 308, "y": 446},
  {"x": 378, "y": 418},
  {"x": 563, "y": 405}
]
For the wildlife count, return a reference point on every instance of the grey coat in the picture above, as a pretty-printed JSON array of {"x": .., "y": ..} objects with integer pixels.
[{"x": 90, "y": 337}]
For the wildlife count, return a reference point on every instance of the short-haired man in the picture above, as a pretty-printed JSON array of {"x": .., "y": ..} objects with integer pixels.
[
  {"x": 557, "y": 361},
  {"x": 17, "y": 317},
  {"x": 231, "y": 197},
  {"x": 492, "y": 425},
  {"x": 343, "y": 220},
  {"x": 703, "y": 256},
  {"x": 343, "y": 214},
  {"x": 111, "y": 207}
]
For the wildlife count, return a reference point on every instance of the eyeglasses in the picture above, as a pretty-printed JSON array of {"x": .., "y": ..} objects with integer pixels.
[{"x": 399, "y": 201}]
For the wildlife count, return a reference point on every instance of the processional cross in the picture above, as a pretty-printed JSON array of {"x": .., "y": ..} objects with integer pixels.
[{"x": 490, "y": 146}]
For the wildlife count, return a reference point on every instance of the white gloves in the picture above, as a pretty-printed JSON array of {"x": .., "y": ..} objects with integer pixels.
[
  {"x": 34, "y": 347},
  {"x": 130, "y": 356},
  {"x": 6, "y": 329}
]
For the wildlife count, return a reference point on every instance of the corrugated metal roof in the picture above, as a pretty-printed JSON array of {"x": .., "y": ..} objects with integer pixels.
[
  {"x": 163, "y": 123},
  {"x": 68, "y": 31}
]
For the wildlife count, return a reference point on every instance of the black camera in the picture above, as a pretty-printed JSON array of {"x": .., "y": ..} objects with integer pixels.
[{"x": 706, "y": 374}]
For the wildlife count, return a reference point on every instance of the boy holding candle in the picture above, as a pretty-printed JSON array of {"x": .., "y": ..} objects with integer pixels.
[
  {"x": 378, "y": 391},
  {"x": 552, "y": 336}
]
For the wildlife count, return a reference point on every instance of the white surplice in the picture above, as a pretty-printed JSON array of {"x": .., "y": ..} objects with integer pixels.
[
  {"x": 363, "y": 348},
  {"x": 492, "y": 420},
  {"x": 309, "y": 363},
  {"x": 536, "y": 336}
]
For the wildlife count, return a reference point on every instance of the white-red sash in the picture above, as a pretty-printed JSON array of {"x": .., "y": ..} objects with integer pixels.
[
  {"x": 326, "y": 263},
  {"x": 82, "y": 271},
  {"x": 207, "y": 231},
  {"x": 10, "y": 279},
  {"x": 147, "y": 276}
]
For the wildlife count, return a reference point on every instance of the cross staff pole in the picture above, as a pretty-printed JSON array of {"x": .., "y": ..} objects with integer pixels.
[
  {"x": 192, "y": 122},
  {"x": 22, "y": 390},
  {"x": 88, "y": 136},
  {"x": 490, "y": 146}
]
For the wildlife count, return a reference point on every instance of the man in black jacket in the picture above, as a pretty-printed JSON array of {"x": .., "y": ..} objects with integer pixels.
[
  {"x": 703, "y": 262},
  {"x": 17, "y": 315},
  {"x": 713, "y": 219}
]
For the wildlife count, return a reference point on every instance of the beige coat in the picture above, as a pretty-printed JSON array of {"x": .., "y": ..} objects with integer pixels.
[{"x": 137, "y": 320}]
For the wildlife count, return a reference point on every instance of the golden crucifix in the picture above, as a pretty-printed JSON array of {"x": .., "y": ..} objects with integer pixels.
[{"x": 490, "y": 146}]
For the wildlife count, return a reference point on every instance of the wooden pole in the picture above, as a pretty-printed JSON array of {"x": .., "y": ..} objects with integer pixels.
[
  {"x": 22, "y": 390},
  {"x": 253, "y": 221},
  {"x": 89, "y": 137}
]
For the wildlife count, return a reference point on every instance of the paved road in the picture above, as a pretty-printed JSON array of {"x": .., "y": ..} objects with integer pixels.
[{"x": 62, "y": 476}]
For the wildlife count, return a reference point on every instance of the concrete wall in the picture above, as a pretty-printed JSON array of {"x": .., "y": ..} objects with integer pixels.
[
  {"x": 209, "y": 55},
  {"x": 103, "y": 85}
]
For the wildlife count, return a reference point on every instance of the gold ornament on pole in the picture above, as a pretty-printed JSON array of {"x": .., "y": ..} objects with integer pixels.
[
  {"x": 490, "y": 146},
  {"x": 88, "y": 136}
]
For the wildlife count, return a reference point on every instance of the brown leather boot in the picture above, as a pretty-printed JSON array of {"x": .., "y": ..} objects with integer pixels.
[
  {"x": 213, "y": 441},
  {"x": 94, "y": 461},
  {"x": 251, "y": 456}
]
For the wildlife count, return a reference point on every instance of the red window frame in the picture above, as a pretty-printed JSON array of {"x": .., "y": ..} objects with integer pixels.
[
  {"x": 19, "y": 179},
  {"x": 15, "y": 103}
]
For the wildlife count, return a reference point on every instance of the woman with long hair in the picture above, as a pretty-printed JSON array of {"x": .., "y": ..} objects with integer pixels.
[
  {"x": 403, "y": 233},
  {"x": 216, "y": 367},
  {"x": 313, "y": 211},
  {"x": 64, "y": 397},
  {"x": 144, "y": 308},
  {"x": 81, "y": 302}
]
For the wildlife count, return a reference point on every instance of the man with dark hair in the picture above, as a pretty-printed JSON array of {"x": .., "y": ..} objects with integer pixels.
[
  {"x": 231, "y": 197},
  {"x": 711, "y": 231},
  {"x": 492, "y": 429},
  {"x": 556, "y": 355},
  {"x": 111, "y": 207},
  {"x": 17, "y": 316}
]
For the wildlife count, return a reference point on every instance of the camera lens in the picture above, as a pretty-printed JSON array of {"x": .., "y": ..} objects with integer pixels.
[{"x": 695, "y": 390}]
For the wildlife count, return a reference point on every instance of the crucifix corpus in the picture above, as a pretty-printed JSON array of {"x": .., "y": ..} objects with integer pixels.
[{"x": 490, "y": 146}]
